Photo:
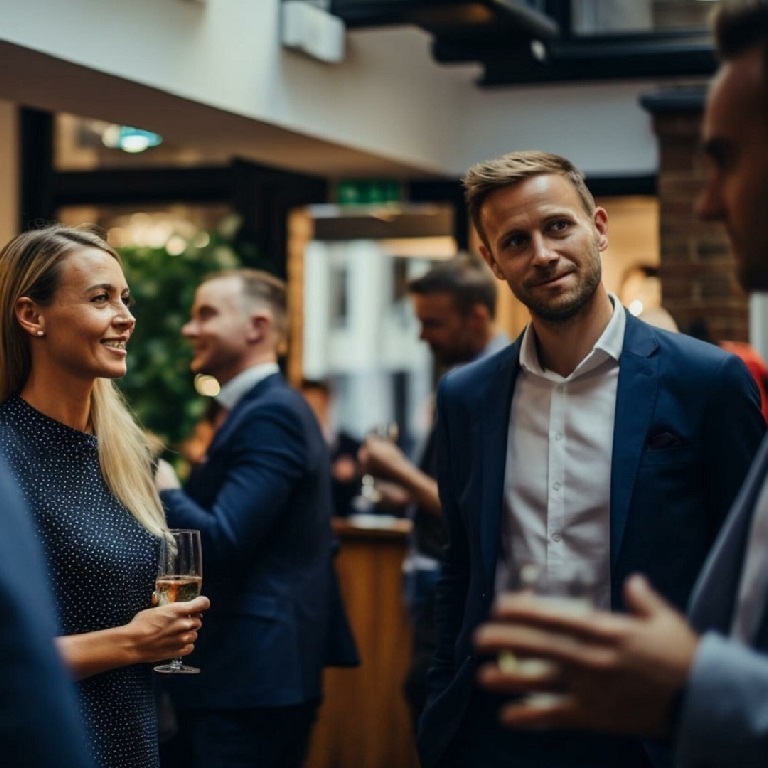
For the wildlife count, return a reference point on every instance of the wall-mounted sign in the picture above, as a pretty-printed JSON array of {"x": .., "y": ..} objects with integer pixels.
[{"x": 368, "y": 192}]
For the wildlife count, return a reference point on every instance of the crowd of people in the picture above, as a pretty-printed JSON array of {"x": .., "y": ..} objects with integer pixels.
[{"x": 595, "y": 442}]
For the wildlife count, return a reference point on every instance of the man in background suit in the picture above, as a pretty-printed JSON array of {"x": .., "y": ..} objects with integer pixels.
[
  {"x": 594, "y": 442},
  {"x": 39, "y": 726},
  {"x": 455, "y": 304},
  {"x": 701, "y": 683},
  {"x": 262, "y": 502}
]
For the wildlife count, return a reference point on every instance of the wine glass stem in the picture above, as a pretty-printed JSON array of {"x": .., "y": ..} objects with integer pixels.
[{"x": 176, "y": 664}]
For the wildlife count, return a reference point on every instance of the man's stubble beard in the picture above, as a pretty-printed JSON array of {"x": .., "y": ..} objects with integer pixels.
[{"x": 562, "y": 313}]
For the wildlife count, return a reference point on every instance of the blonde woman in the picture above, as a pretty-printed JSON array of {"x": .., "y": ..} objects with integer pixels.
[{"x": 84, "y": 467}]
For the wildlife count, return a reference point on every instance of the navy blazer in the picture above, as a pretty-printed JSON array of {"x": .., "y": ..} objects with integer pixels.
[
  {"x": 687, "y": 425},
  {"x": 262, "y": 502},
  {"x": 36, "y": 689}
]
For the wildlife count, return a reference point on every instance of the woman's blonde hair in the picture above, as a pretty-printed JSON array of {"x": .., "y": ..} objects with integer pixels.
[{"x": 30, "y": 265}]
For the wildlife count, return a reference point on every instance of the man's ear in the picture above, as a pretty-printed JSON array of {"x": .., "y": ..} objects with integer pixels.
[
  {"x": 601, "y": 224},
  {"x": 260, "y": 323},
  {"x": 478, "y": 313},
  {"x": 29, "y": 317}
]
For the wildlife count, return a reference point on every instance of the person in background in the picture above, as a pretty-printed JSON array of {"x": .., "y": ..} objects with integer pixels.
[
  {"x": 35, "y": 685},
  {"x": 594, "y": 443},
  {"x": 640, "y": 293},
  {"x": 701, "y": 683},
  {"x": 84, "y": 468},
  {"x": 455, "y": 304},
  {"x": 262, "y": 503},
  {"x": 195, "y": 446},
  {"x": 345, "y": 472}
]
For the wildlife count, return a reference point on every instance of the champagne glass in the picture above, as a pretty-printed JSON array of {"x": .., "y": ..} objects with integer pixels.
[
  {"x": 179, "y": 579},
  {"x": 368, "y": 489},
  {"x": 571, "y": 591}
]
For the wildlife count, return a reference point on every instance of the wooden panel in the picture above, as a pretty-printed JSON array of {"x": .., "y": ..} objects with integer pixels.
[{"x": 364, "y": 721}]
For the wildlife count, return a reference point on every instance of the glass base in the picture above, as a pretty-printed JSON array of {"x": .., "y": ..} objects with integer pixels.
[{"x": 176, "y": 669}]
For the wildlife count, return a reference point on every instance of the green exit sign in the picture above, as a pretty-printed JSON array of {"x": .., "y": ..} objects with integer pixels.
[{"x": 368, "y": 192}]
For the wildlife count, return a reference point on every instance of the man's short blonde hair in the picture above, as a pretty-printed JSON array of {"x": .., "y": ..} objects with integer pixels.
[{"x": 512, "y": 168}]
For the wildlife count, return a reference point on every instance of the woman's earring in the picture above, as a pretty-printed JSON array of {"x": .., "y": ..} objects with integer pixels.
[{"x": 41, "y": 333}]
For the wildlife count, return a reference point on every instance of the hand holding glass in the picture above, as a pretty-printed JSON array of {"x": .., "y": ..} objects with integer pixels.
[
  {"x": 368, "y": 491},
  {"x": 571, "y": 592},
  {"x": 179, "y": 579}
]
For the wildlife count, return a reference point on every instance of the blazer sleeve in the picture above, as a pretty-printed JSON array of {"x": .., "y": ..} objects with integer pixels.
[
  {"x": 265, "y": 457},
  {"x": 724, "y": 716},
  {"x": 736, "y": 429},
  {"x": 35, "y": 686}
]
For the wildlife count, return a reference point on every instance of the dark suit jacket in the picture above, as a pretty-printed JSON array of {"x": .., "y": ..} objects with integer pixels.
[
  {"x": 36, "y": 693},
  {"x": 724, "y": 716},
  {"x": 687, "y": 425},
  {"x": 262, "y": 502}
]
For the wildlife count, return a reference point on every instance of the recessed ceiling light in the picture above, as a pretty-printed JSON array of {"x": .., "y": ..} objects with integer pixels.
[{"x": 129, "y": 139}]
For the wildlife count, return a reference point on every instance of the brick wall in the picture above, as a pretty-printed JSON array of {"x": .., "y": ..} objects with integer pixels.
[{"x": 698, "y": 278}]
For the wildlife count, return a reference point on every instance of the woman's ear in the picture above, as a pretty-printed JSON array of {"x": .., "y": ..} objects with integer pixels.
[{"x": 29, "y": 317}]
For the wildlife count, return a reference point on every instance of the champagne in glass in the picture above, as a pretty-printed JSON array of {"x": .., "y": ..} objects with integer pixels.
[
  {"x": 571, "y": 591},
  {"x": 179, "y": 579},
  {"x": 368, "y": 491}
]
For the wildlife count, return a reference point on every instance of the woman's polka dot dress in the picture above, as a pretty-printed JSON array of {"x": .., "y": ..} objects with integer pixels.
[{"x": 101, "y": 564}]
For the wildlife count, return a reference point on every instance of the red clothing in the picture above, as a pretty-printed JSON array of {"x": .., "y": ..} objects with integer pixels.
[{"x": 757, "y": 367}]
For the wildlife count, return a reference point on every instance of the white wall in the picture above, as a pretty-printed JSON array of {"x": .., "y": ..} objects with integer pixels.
[
  {"x": 388, "y": 97},
  {"x": 600, "y": 127}
]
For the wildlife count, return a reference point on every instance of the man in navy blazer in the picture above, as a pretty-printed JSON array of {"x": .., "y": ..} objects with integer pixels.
[
  {"x": 594, "y": 443},
  {"x": 262, "y": 502},
  {"x": 702, "y": 683},
  {"x": 36, "y": 692}
]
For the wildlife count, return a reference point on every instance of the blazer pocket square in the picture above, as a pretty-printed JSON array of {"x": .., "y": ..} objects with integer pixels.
[{"x": 662, "y": 440}]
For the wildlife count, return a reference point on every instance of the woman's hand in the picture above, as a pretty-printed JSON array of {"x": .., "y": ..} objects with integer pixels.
[
  {"x": 167, "y": 631},
  {"x": 154, "y": 634}
]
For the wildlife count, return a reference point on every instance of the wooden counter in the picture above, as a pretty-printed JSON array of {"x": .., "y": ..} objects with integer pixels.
[{"x": 364, "y": 721}]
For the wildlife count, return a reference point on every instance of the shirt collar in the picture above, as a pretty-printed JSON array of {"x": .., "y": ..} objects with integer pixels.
[
  {"x": 232, "y": 392},
  {"x": 610, "y": 344}
]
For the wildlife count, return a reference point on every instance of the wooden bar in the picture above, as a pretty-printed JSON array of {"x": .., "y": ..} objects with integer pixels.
[{"x": 364, "y": 721}]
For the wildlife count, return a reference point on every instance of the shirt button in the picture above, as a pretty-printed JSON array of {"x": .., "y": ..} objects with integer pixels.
[
  {"x": 556, "y": 537},
  {"x": 558, "y": 436},
  {"x": 556, "y": 486}
]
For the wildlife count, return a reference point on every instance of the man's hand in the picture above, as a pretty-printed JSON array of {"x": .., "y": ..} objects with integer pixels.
[
  {"x": 165, "y": 477},
  {"x": 380, "y": 457},
  {"x": 617, "y": 672}
]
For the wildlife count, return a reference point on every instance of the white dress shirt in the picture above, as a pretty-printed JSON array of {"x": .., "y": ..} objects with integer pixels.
[
  {"x": 232, "y": 392},
  {"x": 558, "y": 468}
]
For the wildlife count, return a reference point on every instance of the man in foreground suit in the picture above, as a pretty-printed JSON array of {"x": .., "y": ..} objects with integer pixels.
[
  {"x": 39, "y": 722},
  {"x": 594, "y": 442},
  {"x": 262, "y": 502},
  {"x": 703, "y": 684}
]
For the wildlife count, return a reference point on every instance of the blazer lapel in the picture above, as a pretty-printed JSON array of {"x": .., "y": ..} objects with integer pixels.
[
  {"x": 490, "y": 440},
  {"x": 635, "y": 396}
]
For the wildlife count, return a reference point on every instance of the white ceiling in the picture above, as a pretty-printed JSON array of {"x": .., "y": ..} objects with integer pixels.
[{"x": 32, "y": 79}]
